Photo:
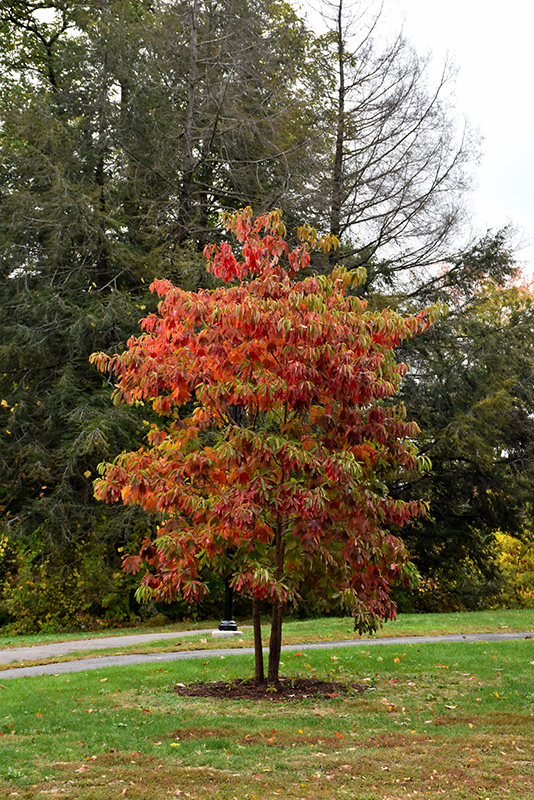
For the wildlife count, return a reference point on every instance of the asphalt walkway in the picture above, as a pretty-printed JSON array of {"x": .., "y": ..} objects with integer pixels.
[
  {"x": 33, "y": 652},
  {"x": 99, "y": 662}
]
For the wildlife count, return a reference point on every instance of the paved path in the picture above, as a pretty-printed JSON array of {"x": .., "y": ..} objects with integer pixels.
[
  {"x": 33, "y": 652},
  {"x": 118, "y": 660}
]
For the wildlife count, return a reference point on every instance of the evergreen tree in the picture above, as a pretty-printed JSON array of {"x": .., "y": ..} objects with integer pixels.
[
  {"x": 98, "y": 182},
  {"x": 470, "y": 390}
]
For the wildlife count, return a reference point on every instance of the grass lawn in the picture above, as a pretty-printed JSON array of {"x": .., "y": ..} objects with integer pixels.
[{"x": 437, "y": 720}]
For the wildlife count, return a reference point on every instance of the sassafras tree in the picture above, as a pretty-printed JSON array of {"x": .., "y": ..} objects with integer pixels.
[{"x": 277, "y": 434}]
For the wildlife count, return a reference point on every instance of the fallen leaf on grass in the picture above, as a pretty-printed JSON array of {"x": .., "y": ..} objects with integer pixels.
[
  {"x": 339, "y": 735},
  {"x": 83, "y": 768}
]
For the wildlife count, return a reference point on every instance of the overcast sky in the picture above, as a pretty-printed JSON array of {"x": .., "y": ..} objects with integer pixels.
[{"x": 491, "y": 45}]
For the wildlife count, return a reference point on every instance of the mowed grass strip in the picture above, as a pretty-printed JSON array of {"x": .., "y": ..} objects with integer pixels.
[{"x": 436, "y": 720}]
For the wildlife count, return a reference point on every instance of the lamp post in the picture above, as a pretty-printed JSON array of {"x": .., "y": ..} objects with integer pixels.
[
  {"x": 228, "y": 624},
  {"x": 227, "y": 627}
]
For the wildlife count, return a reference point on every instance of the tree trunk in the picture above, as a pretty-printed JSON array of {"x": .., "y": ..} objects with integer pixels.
[
  {"x": 275, "y": 642},
  {"x": 102, "y": 265},
  {"x": 186, "y": 196},
  {"x": 259, "y": 674},
  {"x": 337, "y": 175}
]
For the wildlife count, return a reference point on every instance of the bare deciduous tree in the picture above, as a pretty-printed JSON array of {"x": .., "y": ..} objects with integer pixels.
[{"x": 399, "y": 155}]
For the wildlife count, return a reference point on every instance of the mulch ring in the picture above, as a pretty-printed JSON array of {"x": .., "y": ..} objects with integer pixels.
[{"x": 287, "y": 689}]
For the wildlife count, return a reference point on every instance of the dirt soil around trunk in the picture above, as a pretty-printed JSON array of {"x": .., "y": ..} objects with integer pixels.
[{"x": 287, "y": 689}]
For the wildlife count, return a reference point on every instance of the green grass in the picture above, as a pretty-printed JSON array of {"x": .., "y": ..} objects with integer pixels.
[{"x": 454, "y": 720}]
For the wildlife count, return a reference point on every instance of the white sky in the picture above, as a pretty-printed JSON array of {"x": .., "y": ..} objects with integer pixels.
[{"x": 491, "y": 44}]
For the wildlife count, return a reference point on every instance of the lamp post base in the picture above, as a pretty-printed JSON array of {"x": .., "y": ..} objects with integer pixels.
[{"x": 225, "y": 633}]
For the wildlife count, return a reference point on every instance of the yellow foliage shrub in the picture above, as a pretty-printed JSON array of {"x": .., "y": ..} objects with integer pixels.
[{"x": 517, "y": 564}]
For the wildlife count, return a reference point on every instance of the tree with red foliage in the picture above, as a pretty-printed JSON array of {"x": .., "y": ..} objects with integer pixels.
[{"x": 278, "y": 434}]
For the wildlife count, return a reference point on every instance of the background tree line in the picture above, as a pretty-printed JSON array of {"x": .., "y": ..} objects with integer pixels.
[{"x": 126, "y": 126}]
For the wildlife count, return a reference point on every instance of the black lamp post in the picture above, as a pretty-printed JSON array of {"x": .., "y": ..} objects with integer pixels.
[{"x": 228, "y": 623}]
